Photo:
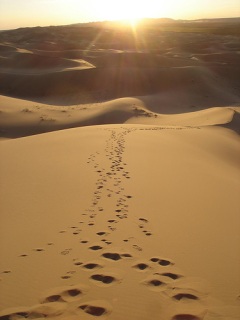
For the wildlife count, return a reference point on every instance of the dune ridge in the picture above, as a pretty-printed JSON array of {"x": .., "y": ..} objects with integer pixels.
[{"x": 22, "y": 118}]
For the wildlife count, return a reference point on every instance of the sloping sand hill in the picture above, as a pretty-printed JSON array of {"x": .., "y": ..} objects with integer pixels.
[
  {"x": 120, "y": 179},
  {"x": 122, "y": 221}
]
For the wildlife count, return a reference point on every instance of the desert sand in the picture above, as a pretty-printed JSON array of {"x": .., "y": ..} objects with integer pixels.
[{"x": 120, "y": 179}]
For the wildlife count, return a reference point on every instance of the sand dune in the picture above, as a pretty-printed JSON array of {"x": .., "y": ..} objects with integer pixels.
[
  {"x": 29, "y": 60},
  {"x": 103, "y": 222},
  {"x": 94, "y": 84},
  {"x": 195, "y": 64},
  {"x": 22, "y": 118},
  {"x": 119, "y": 168}
]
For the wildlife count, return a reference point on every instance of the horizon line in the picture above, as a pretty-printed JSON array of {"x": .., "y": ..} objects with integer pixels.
[{"x": 118, "y": 21}]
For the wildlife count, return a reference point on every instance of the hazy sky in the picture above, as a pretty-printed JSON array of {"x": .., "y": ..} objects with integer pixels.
[{"x": 23, "y": 13}]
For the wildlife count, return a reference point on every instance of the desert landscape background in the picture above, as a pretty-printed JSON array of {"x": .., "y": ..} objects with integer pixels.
[{"x": 120, "y": 171}]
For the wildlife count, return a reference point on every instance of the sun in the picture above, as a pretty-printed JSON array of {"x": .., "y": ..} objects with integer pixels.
[
  {"x": 132, "y": 22},
  {"x": 127, "y": 11}
]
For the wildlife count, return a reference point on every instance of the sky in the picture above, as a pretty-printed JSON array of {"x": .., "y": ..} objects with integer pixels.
[{"x": 30, "y": 13}]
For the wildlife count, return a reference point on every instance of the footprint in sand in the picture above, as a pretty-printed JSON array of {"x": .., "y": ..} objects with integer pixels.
[
  {"x": 154, "y": 282},
  {"x": 92, "y": 265},
  {"x": 66, "y": 277},
  {"x": 170, "y": 275},
  {"x": 107, "y": 241},
  {"x": 76, "y": 232},
  {"x": 39, "y": 250},
  {"x": 185, "y": 316},
  {"x": 141, "y": 266},
  {"x": 96, "y": 308},
  {"x": 95, "y": 248},
  {"x": 185, "y": 296},
  {"x": 147, "y": 233},
  {"x": 112, "y": 256},
  {"x": 135, "y": 246},
  {"x": 84, "y": 241},
  {"x": 111, "y": 228},
  {"x": 104, "y": 279},
  {"x": 116, "y": 256},
  {"x": 102, "y": 233},
  {"x": 66, "y": 251},
  {"x": 36, "y": 312},
  {"x": 162, "y": 262},
  {"x": 71, "y": 272},
  {"x": 65, "y": 294},
  {"x": 112, "y": 221}
]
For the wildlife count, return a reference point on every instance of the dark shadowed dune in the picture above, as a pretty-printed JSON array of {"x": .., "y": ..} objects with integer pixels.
[
  {"x": 35, "y": 62},
  {"x": 234, "y": 124},
  {"x": 96, "y": 84}
]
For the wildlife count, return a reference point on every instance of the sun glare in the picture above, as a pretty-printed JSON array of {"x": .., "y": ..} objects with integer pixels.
[
  {"x": 126, "y": 11},
  {"x": 132, "y": 22}
]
